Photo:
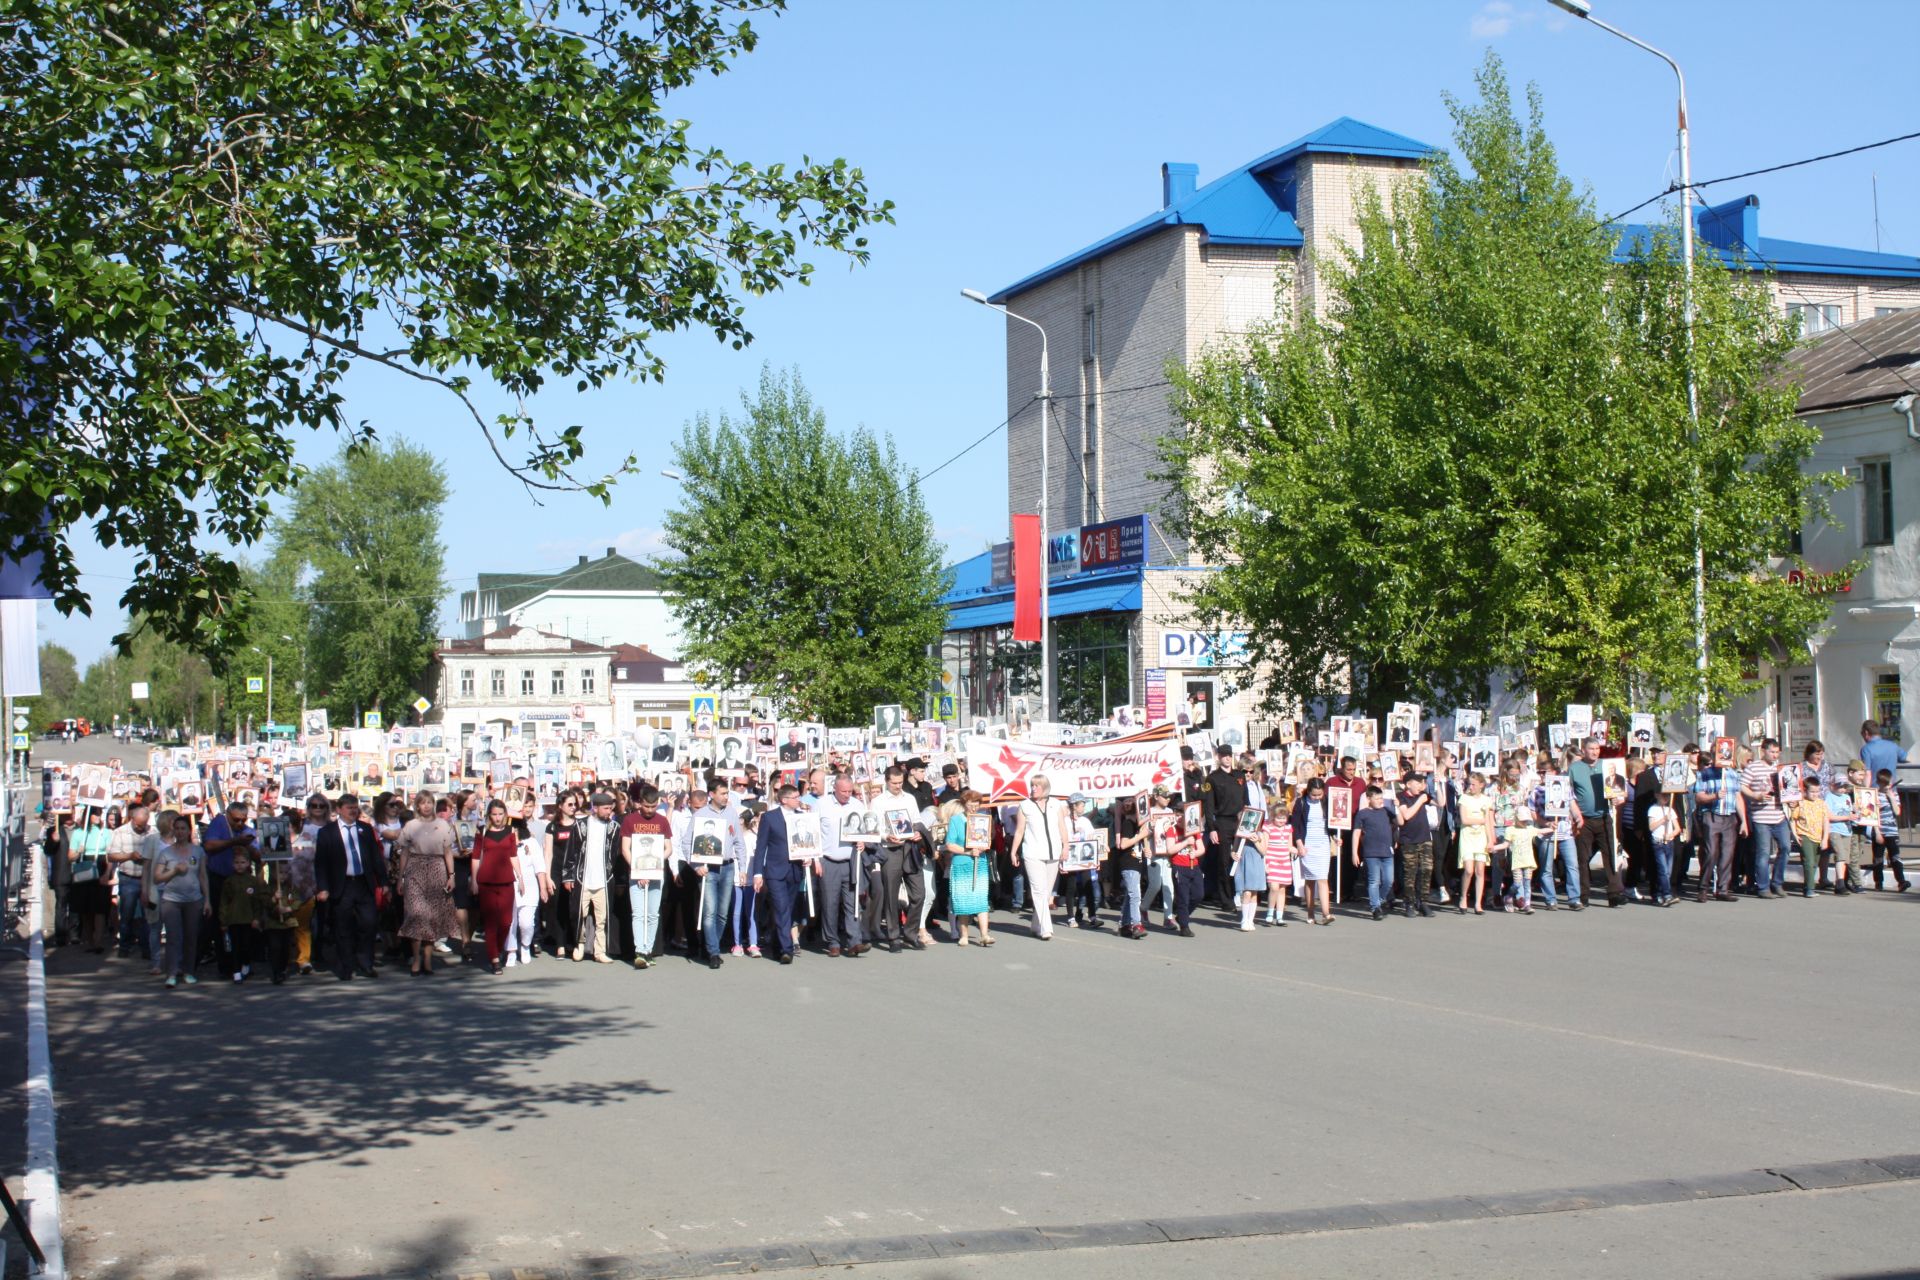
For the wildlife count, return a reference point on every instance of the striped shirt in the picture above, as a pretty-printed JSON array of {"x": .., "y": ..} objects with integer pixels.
[{"x": 1763, "y": 779}]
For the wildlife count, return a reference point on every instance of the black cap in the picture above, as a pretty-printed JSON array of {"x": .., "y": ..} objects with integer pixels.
[
  {"x": 1186, "y": 753},
  {"x": 950, "y": 771}
]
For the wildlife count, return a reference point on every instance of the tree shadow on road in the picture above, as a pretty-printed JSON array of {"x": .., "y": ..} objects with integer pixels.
[{"x": 257, "y": 1081}]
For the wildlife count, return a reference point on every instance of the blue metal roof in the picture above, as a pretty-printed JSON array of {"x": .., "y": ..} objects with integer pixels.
[
  {"x": 1104, "y": 592},
  {"x": 1253, "y": 204},
  {"x": 1732, "y": 230}
]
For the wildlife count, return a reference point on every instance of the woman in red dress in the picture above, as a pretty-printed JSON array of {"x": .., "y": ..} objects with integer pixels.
[{"x": 496, "y": 865}]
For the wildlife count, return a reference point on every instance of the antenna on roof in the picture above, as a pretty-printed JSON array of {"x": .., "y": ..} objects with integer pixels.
[{"x": 1876, "y": 212}]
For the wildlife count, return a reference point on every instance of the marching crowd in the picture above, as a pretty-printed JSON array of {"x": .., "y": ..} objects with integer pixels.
[{"x": 621, "y": 873}]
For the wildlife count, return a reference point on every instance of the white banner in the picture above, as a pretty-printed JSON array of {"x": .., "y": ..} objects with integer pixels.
[{"x": 1105, "y": 770}]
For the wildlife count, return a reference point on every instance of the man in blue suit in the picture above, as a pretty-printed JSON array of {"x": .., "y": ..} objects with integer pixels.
[{"x": 773, "y": 869}]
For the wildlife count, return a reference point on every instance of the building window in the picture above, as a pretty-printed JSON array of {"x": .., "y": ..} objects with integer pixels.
[
  {"x": 1090, "y": 335},
  {"x": 1093, "y": 663},
  {"x": 620, "y": 674},
  {"x": 498, "y": 685},
  {"x": 1815, "y": 317},
  {"x": 466, "y": 682},
  {"x": 586, "y": 682},
  {"x": 526, "y": 682},
  {"x": 1876, "y": 502},
  {"x": 1886, "y": 311},
  {"x": 558, "y": 688}
]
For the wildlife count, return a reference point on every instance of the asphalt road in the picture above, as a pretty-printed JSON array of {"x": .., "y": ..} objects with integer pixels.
[{"x": 575, "y": 1116}]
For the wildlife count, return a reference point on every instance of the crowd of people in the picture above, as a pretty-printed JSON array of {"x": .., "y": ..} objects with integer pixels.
[{"x": 731, "y": 868}]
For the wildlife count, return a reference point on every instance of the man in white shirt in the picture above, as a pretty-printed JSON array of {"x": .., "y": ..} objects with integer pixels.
[
  {"x": 839, "y": 897},
  {"x": 1039, "y": 838},
  {"x": 898, "y": 810},
  {"x": 719, "y": 821},
  {"x": 130, "y": 851},
  {"x": 596, "y": 870}
]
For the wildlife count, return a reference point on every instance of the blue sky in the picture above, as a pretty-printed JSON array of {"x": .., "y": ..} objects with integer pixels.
[{"x": 1010, "y": 134}]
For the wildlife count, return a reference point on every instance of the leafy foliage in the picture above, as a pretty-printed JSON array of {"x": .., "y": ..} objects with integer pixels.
[
  {"x": 804, "y": 563},
  {"x": 1480, "y": 459},
  {"x": 211, "y": 210},
  {"x": 362, "y": 537}
]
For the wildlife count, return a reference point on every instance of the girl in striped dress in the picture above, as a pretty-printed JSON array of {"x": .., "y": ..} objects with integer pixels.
[{"x": 1277, "y": 843}]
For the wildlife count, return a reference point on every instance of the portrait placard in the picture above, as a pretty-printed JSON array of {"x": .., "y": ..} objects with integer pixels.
[
  {"x": 1339, "y": 809},
  {"x": 803, "y": 835},
  {"x": 1080, "y": 855},
  {"x": 647, "y": 854},
  {"x": 273, "y": 838}
]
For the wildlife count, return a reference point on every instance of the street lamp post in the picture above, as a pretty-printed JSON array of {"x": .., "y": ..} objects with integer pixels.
[
  {"x": 269, "y": 657},
  {"x": 1583, "y": 9},
  {"x": 1045, "y": 397}
]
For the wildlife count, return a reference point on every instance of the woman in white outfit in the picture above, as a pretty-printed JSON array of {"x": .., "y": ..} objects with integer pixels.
[{"x": 1039, "y": 838}]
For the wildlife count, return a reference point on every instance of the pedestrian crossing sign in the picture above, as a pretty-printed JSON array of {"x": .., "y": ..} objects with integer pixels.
[{"x": 371, "y": 719}]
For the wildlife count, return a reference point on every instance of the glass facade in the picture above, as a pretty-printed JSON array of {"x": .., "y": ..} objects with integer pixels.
[{"x": 1093, "y": 662}]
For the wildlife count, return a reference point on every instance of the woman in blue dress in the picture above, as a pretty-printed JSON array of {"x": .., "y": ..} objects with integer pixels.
[{"x": 968, "y": 865}]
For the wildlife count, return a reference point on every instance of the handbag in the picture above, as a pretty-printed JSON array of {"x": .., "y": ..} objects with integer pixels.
[{"x": 86, "y": 871}]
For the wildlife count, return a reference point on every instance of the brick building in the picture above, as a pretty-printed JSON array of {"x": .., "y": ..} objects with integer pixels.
[{"x": 1211, "y": 262}]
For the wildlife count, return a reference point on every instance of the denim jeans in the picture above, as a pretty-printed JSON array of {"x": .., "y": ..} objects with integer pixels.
[
  {"x": 1772, "y": 844},
  {"x": 716, "y": 894},
  {"x": 1569, "y": 866},
  {"x": 1130, "y": 905},
  {"x": 1662, "y": 869},
  {"x": 644, "y": 897},
  {"x": 1379, "y": 882},
  {"x": 745, "y": 919},
  {"x": 133, "y": 917}
]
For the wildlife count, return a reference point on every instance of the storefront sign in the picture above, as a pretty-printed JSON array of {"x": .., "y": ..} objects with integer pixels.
[
  {"x": 1822, "y": 584},
  {"x": 1803, "y": 711},
  {"x": 1886, "y": 704},
  {"x": 1106, "y": 770},
  {"x": 1200, "y": 649},
  {"x": 1114, "y": 543},
  {"x": 1156, "y": 694}
]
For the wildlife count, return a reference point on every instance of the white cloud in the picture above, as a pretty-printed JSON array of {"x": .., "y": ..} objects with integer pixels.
[
  {"x": 637, "y": 544},
  {"x": 1494, "y": 19}
]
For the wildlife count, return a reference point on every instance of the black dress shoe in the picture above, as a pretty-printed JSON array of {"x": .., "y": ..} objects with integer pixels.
[
  {"x": 786, "y": 957},
  {"x": 1377, "y": 913},
  {"x": 713, "y": 962},
  {"x": 1185, "y": 932},
  {"x": 344, "y": 977},
  {"x": 894, "y": 946}
]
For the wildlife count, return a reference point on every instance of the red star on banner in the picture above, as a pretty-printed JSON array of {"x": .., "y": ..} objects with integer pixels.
[{"x": 1014, "y": 781}]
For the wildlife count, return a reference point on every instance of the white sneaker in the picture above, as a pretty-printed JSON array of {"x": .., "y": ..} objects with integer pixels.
[
  {"x": 512, "y": 959},
  {"x": 1072, "y": 923},
  {"x": 526, "y": 957},
  {"x": 1247, "y": 927},
  {"x": 441, "y": 948}
]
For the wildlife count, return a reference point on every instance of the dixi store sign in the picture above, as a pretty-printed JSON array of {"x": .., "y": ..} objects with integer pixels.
[{"x": 1203, "y": 649}]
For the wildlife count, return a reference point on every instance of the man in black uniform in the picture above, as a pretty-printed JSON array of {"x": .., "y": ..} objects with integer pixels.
[{"x": 1226, "y": 789}]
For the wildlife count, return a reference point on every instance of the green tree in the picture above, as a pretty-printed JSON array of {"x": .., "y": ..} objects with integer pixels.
[
  {"x": 804, "y": 564},
  {"x": 182, "y": 691},
  {"x": 275, "y": 628},
  {"x": 210, "y": 211},
  {"x": 363, "y": 536},
  {"x": 59, "y": 683},
  {"x": 1479, "y": 460}
]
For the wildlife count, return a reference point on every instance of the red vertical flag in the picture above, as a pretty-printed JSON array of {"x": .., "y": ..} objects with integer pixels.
[{"x": 1028, "y": 566}]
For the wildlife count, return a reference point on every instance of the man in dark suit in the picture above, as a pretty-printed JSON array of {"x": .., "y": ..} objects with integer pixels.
[
  {"x": 348, "y": 870},
  {"x": 773, "y": 870}
]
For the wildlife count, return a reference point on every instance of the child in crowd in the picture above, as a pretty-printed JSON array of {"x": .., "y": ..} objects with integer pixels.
[
  {"x": 1887, "y": 849},
  {"x": 243, "y": 904},
  {"x": 1809, "y": 819},
  {"x": 1277, "y": 846},
  {"x": 1521, "y": 838},
  {"x": 1840, "y": 829}
]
